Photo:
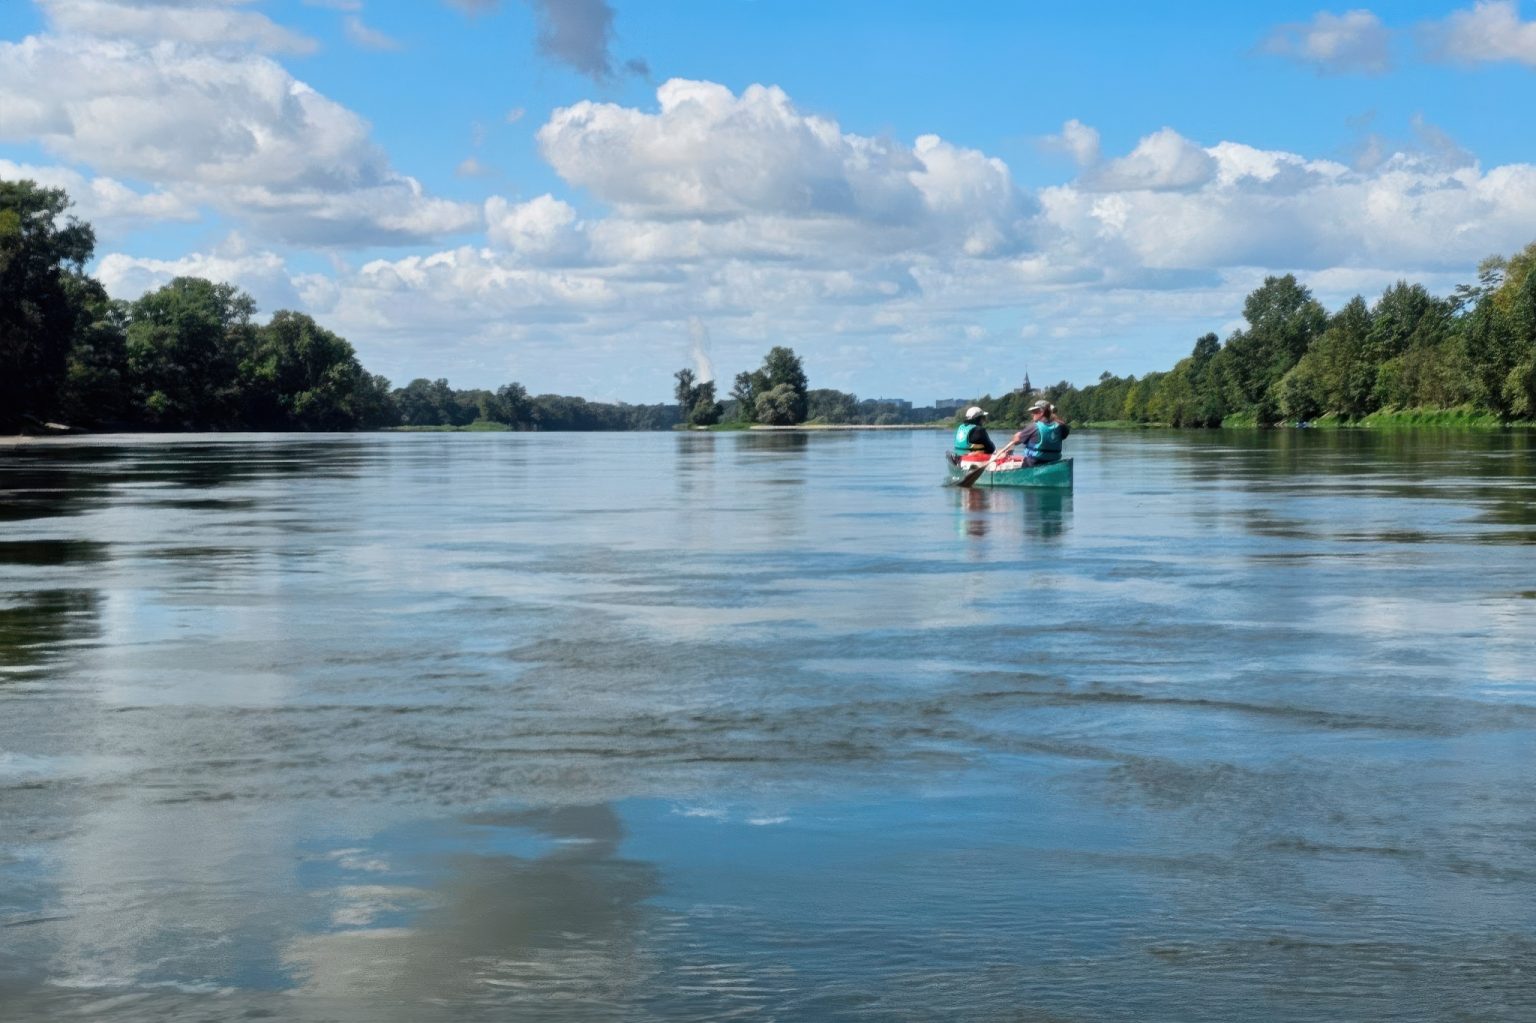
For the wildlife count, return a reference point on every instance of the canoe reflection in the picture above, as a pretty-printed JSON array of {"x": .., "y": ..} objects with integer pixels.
[{"x": 1028, "y": 514}]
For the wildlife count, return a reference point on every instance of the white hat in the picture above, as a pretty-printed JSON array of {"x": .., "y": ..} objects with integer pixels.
[{"x": 975, "y": 412}]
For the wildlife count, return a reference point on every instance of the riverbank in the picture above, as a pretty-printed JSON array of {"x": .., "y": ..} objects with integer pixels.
[
  {"x": 1386, "y": 419},
  {"x": 1394, "y": 419},
  {"x": 1390, "y": 419}
]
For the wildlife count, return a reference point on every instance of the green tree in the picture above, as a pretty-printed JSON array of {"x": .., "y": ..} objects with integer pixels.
[
  {"x": 1516, "y": 304},
  {"x": 1136, "y": 407},
  {"x": 825, "y": 405},
  {"x": 1406, "y": 315},
  {"x": 1300, "y": 392},
  {"x": 1490, "y": 274},
  {"x": 782, "y": 368},
  {"x": 780, "y": 406},
  {"x": 1498, "y": 336},
  {"x": 516, "y": 403},
  {"x": 744, "y": 392},
  {"x": 1341, "y": 362},
  {"x": 695, "y": 400},
  {"x": 1205, "y": 378},
  {"x": 424, "y": 402},
  {"x": 375, "y": 402},
  {"x": 185, "y": 343},
  {"x": 95, "y": 391},
  {"x": 509, "y": 404},
  {"x": 1408, "y": 329},
  {"x": 705, "y": 410},
  {"x": 298, "y": 375},
  {"x": 1283, "y": 318},
  {"x": 40, "y": 255},
  {"x": 1173, "y": 401}
]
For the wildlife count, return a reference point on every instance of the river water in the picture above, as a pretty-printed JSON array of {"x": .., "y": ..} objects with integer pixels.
[{"x": 462, "y": 727}]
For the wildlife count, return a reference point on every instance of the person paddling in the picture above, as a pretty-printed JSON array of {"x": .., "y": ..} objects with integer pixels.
[
  {"x": 971, "y": 435},
  {"x": 1043, "y": 435}
]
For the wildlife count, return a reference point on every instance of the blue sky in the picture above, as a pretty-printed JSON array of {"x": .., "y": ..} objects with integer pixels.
[{"x": 921, "y": 199}]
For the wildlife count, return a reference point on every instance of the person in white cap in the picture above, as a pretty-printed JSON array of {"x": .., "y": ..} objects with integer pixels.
[
  {"x": 1043, "y": 436},
  {"x": 971, "y": 435}
]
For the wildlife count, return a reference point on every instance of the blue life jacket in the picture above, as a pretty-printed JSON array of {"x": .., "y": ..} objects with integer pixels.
[
  {"x": 963, "y": 438},
  {"x": 1045, "y": 446}
]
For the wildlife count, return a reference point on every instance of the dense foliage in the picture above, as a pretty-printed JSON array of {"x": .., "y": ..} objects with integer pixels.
[
  {"x": 1474, "y": 352},
  {"x": 775, "y": 393},
  {"x": 697, "y": 399},
  {"x": 191, "y": 356},
  {"x": 44, "y": 294}
]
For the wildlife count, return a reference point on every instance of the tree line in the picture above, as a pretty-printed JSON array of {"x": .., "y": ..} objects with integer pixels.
[
  {"x": 1473, "y": 352},
  {"x": 778, "y": 393},
  {"x": 191, "y": 355},
  {"x": 775, "y": 394}
]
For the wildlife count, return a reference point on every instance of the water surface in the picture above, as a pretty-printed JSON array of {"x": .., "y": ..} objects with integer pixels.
[{"x": 776, "y": 727}]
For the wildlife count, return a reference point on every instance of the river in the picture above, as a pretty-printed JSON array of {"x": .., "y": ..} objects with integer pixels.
[{"x": 463, "y": 727}]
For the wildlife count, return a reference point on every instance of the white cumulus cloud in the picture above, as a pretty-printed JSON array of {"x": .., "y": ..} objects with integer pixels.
[
  {"x": 264, "y": 275},
  {"x": 1163, "y": 161},
  {"x": 1077, "y": 140},
  {"x": 105, "y": 203},
  {"x": 1260, "y": 208},
  {"x": 231, "y": 129},
  {"x": 715, "y": 161},
  {"x": 543, "y": 229}
]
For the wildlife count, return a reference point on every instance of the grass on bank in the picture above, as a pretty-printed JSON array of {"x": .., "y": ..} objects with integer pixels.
[
  {"x": 478, "y": 426},
  {"x": 1118, "y": 424},
  {"x": 1462, "y": 418}
]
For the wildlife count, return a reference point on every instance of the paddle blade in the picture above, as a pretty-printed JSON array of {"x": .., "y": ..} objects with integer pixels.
[{"x": 972, "y": 476}]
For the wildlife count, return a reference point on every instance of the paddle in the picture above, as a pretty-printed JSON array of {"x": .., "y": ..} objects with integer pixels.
[{"x": 975, "y": 474}]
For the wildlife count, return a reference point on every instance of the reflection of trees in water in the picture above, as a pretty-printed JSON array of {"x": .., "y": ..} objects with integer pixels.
[
  {"x": 46, "y": 481},
  {"x": 49, "y": 480},
  {"x": 37, "y": 623},
  {"x": 557, "y": 933},
  {"x": 695, "y": 448},
  {"x": 52, "y": 553},
  {"x": 696, "y": 464},
  {"x": 208, "y": 465},
  {"x": 1488, "y": 467},
  {"x": 1266, "y": 455},
  {"x": 775, "y": 441}
]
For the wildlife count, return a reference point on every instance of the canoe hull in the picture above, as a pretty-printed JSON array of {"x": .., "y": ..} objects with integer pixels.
[{"x": 1012, "y": 472}]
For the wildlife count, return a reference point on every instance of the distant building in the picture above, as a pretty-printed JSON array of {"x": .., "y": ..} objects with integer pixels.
[{"x": 949, "y": 404}]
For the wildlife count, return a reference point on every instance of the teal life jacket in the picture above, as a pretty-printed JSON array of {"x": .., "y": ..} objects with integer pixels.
[
  {"x": 963, "y": 438},
  {"x": 1045, "y": 446}
]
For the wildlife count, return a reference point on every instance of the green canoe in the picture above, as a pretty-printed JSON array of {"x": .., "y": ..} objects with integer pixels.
[{"x": 1012, "y": 472}]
